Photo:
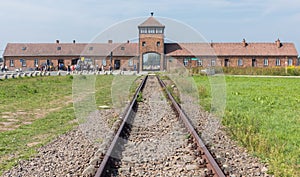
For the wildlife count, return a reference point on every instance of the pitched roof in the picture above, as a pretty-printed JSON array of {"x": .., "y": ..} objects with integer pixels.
[
  {"x": 151, "y": 22},
  {"x": 131, "y": 49},
  {"x": 230, "y": 49},
  {"x": 70, "y": 49}
]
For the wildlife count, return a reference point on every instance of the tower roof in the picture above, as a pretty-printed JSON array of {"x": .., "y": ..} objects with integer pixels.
[{"x": 151, "y": 22}]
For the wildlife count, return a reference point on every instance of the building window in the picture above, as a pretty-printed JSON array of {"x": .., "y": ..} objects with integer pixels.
[
  {"x": 11, "y": 63},
  {"x": 58, "y": 48},
  {"x": 24, "y": 48},
  {"x": 122, "y": 48},
  {"x": 266, "y": 62},
  {"x": 159, "y": 30},
  {"x": 130, "y": 62},
  {"x": 143, "y": 43},
  {"x": 157, "y": 43},
  {"x": 240, "y": 62},
  {"x": 199, "y": 62},
  {"x": 213, "y": 62},
  {"x": 104, "y": 62},
  {"x": 151, "y": 30},
  {"x": 143, "y": 30},
  {"x": 185, "y": 61},
  {"x": 277, "y": 62},
  {"x": 36, "y": 62},
  {"x": 23, "y": 62},
  {"x": 91, "y": 48},
  {"x": 290, "y": 62}
]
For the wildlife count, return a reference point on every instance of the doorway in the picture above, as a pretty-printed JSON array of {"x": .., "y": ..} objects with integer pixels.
[
  {"x": 74, "y": 61},
  {"x": 226, "y": 62},
  {"x": 253, "y": 62},
  {"x": 61, "y": 64},
  {"x": 117, "y": 64},
  {"x": 151, "y": 62}
]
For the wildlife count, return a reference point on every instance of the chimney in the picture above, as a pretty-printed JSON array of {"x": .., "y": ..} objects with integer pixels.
[
  {"x": 57, "y": 41},
  {"x": 74, "y": 41},
  {"x": 211, "y": 43},
  {"x": 278, "y": 44},
  {"x": 244, "y": 42},
  {"x": 110, "y": 41}
]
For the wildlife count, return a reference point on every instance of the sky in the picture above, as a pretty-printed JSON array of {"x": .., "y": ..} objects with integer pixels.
[{"x": 33, "y": 21}]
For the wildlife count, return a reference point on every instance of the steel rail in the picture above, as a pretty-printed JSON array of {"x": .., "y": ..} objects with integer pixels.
[
  {"x": 213, "y": 165},
  {"x": 126, "y": 114}
]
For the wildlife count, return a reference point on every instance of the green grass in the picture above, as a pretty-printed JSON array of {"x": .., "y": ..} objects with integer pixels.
[
  {"x": 29, "y": 93},
  {"x": 15, "y": 144},
  {"x": 103, "y": 90},
  {"x": 263, "y": 115},
  {"x": 24, "y": 99}
]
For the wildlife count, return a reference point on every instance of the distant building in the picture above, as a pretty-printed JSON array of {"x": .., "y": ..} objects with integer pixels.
[{"x": 150, "y": 53}]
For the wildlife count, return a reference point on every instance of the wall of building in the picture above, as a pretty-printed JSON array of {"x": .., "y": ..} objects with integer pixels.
[
  {"x": 30, "y": 61},
  {"x": 131, "y": 63},
  {"x": 151, "y": 41},
  {"x": 233, "y": 61}
]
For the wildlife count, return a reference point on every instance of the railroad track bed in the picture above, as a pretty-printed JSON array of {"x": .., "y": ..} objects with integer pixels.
[{"x": 154, "y": 143}]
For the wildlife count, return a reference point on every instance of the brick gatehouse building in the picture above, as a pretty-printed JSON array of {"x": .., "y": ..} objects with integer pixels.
[{"x": 150, "y": 53}]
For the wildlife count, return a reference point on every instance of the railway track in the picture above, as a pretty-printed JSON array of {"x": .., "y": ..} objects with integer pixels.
[{"x": 156, "y": 139}]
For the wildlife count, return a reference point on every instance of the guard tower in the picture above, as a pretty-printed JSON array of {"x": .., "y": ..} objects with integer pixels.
[{"x": 151, "y": 45}]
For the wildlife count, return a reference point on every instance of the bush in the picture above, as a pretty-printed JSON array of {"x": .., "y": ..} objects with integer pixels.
[{"x": 274, "y": 71}]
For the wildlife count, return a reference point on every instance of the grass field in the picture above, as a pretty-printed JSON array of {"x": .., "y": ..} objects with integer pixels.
[
  {"x": 33, "y": 111},
  {"x": 262, "y": 114}
]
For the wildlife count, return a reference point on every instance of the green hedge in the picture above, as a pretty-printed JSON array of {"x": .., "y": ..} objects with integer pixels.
[{"x": 274, "y": 71}]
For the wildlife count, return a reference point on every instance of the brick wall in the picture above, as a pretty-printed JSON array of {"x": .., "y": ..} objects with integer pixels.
[{"x": 151, "y": 43}]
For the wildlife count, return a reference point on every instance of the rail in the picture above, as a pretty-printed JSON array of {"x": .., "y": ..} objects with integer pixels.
[
  {"x": 213, "y": 165},
  {"x": 102, "y": 166}
]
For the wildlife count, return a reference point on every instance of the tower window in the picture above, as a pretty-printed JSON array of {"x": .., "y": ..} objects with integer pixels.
[
  {"x": 143, "y": 30},
  {"x": 157, "y": 43},
  {"x": 151, "y": 30},
  {"x": 159, "y": 30},
  {"x": 143, "y": 43}
]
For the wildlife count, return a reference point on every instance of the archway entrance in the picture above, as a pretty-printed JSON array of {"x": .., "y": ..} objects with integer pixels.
[{"x": 151, "y": 62}]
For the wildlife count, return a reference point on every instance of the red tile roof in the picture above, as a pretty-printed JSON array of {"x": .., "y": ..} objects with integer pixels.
[
  {"x": 230, "y": 49},
  {"x": 151, "y": 22},
  {"x": 131, "y": 49},
  {"x": 70, "y": 49}
]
